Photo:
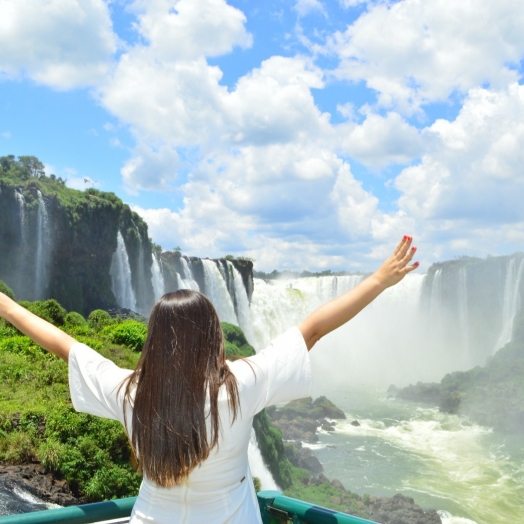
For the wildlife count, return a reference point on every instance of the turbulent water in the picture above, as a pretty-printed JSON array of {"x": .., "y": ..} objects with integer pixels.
[
  {"x": 17, "y": 501},
  {"x": 470, "y": 473}
]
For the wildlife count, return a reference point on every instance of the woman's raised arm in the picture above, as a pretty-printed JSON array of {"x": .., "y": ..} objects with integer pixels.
[
  {"x": 41, "y": 331},
  {"x": 337, "y": 312}
]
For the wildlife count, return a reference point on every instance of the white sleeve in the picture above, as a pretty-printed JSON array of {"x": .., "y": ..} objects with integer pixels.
[
  {"x": 94, "y": 382},
  {"x": 279, "y": 373}
]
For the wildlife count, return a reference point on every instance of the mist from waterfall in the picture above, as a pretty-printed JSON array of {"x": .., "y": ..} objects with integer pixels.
[
  {"x": 419, "y": 330},
  {"x": 120, "y": 271},
  {"x": 43, "y": 249}
]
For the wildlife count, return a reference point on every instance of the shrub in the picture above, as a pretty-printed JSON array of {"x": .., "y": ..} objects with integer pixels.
[
  {"x": 6, "y": 290},
  {"x": 236, "y": 344},
  {"x": 130, "y": 333},
  {"x": 98, "y": 319},
  {"x": 17, "y": 448},
  {"x": 49, "y": 310},
  {"x": 74, "y": 319},
  {"x": 21, "y": 345}
]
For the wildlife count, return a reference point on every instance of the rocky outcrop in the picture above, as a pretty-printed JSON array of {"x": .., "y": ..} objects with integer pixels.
[
  {"x": 400, "y": 509},
  {"x": 43, "y": 485}
]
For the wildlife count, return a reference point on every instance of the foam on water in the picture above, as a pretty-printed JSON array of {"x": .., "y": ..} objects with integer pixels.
[{"x": 455, "y": 461}]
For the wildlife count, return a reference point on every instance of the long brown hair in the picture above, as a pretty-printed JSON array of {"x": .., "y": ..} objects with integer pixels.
[{"x": 182, "y": 363}]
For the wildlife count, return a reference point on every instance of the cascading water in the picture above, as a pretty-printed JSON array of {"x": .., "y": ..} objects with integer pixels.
[
  {"x": 216, "y": 291},
  {"x": 463, "y": 307},
  {"x": 43, "y": 249},
  {"x": 186, "y": 280},
  {"x": 241, "y": 302},
  {"x": 279, "y": 304},
  {"x": 21, "y": 207},
  {"x": 120, "y": 271},
  {"x": 157, "y": 278},
  {"x": 512, "y": 301},
  {"x": 257, "y": 466}
]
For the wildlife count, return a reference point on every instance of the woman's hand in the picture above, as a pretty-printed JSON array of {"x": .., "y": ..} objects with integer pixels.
[
  {"x": 340, "y": 310},
  {"x": 396, "y": 267}
]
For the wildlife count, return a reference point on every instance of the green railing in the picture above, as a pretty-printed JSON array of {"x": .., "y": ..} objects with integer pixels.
[{"x": 275, "y": 508}]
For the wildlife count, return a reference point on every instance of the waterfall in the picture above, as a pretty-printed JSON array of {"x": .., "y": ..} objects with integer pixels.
[
  {"x": 241, "y": 302},
  {"x": 157, "y": 278},
  {"x": 21, "y": 209},
  {"x": 186, "y": 280},
  {"x": 216, "y": 291},
  {"x": 463, "y": 310},
  {"x": 43, "y": 250},
  {"x": 257, "y": 466},
  {"x": 511, "y": 302},
  {"x": 122, "y": 285},
  {"x": 279, "y": 304}
]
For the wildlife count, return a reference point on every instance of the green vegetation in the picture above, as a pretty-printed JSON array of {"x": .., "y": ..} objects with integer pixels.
[
  {"x": 38, "y": 422},
  {"x": 6, "y": 290},
  {"x": 492, "y": 395},
  {"x": 236, "y": 343}
]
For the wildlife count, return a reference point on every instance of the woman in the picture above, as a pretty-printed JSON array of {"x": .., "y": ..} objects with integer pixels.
[{"x": 187, "y": 411}]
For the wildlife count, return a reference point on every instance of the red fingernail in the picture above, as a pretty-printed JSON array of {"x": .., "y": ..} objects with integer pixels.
[
  {"x": 405, "y": 237},
  {"x": 416, "y": 264},
  {"x": 413, "y": 248}
]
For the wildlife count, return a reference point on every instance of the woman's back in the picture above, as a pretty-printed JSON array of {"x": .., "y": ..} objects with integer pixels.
[{"x": 220, "y": 489}]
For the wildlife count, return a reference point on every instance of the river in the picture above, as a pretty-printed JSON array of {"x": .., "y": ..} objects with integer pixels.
[{"x": 468, "y": 472}]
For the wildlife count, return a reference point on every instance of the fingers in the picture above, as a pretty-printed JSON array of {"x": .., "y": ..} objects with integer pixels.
[
  {"x": 409, "y": 269},
  {"x": 403, "y": 246}
]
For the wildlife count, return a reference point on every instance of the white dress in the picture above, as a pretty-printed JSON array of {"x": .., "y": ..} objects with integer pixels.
[{"x": 220, "y": 490}]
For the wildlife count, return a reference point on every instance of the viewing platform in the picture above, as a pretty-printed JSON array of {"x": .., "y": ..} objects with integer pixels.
[{"x": 275, "y": 508}]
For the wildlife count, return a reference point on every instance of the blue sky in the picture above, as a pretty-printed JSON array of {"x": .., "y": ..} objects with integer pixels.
[{"x": 306, "y": 134}]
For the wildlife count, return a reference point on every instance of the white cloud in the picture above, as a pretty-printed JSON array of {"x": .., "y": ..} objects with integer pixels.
[
  {"x": 380, "y": 141},
  {"x": 189, "y": 29},
  {"x": 470, "y": 182},
  {"x": 305, "y": 7},
  {"x": 151, "y": 169},
  {"x": 355, "y": 207},
  {"x": 417, "y": 51},
  {"x": 6, "y": 135},
  {"x": 60, "y": 43}
]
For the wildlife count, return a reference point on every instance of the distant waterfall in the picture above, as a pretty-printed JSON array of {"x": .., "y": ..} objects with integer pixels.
[
  {"x": 186, "y": 280},
  {"x": 463, "y": 308},
  {"x": 512, "y": 301},
  {"x": 279, "y": 304},
  {"x": 157, "y": 278},
  {"x": 43, "y": 249},
  {"x": 122, "y": 285},
  {"x": 241, "y": 301},
  {"x": 216, "y": 291},
  {"x": 21, "y": 210}
]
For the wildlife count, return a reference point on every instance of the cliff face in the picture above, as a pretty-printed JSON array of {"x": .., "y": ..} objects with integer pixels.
[
  {"x": 88, "y": 250},
  {"x": 58, "y": 242}
]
